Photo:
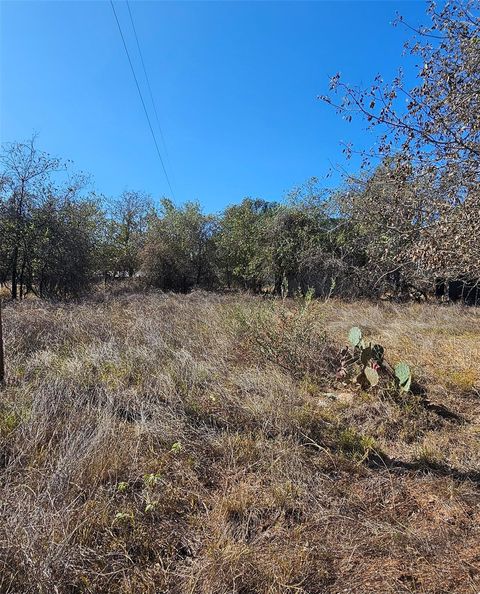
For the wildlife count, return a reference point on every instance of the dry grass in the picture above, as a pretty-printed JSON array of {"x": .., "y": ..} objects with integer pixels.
[{"x": 200, "y": 445}]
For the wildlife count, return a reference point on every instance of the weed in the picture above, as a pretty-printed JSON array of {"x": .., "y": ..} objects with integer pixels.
[{"x": 356, "y": 446}]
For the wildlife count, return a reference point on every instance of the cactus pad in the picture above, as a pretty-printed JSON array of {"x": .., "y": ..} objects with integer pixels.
[
  {"x": 371, "y": 375},
  {"x": 355, "y": 336},
  {"x": 404, "y": 376}
]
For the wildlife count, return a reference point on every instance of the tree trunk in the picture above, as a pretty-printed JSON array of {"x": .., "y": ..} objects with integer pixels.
[
  {"x": 22, "y": 276},
  {"x": 14, "y": 289}
]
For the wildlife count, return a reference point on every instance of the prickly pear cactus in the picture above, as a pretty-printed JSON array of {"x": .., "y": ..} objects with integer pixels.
[
  {"x": 355, "y": 336},
  {"x": 370, "y": 358},
  {"x": 403, "y": 376},
  {"x": 378, "y": 352},
  {"x": 366, "y": 355},
  {"x": 371, "y": 375}
]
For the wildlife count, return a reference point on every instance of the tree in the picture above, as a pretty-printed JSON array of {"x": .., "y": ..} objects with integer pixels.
[
  {"x": 24, "y": 178},
  {"x": 179, "y": 250},
  {"x": 430, "y": 136},
  {"x": 384, "y": 214},
  {"x": 128, "y": 225},
  {"x": 66, "y": 245},
  {"x": 242, "y": 244},
  {"x": 297, "y": 236},
  {"x": 48, "y": 227}
]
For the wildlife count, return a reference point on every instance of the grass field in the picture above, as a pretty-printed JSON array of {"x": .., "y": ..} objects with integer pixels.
[{"x": 203, "y": 444}]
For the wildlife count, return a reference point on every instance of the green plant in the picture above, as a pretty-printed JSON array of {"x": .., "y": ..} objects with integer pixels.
[
  {"x": 370, "y": 358},
  {"x": 9, "y": 422},
  {"x": 403, "y": 377},
  {"x": 356, "y": 446},
  {"x": 290, "y": 336},
  {"x": 176, "y": 447},
  {"x": 309, "y": 296},
  {"x": 355, "y": 336},
  {"x": 11, "y": 419},
  {"x": 371, "y": 375},
  {"x": 122, "y": 486},
  {"x": 121, "y": 516},
  {"x": 150, "y": 480}
]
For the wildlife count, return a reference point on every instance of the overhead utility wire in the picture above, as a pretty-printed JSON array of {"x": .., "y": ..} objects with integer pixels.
[
  {"x": 141, "y": 98},
  {"x": 148, "y": 81}
]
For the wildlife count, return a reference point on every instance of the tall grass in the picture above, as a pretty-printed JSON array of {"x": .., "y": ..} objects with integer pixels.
[{"x": 201, "y": 444}]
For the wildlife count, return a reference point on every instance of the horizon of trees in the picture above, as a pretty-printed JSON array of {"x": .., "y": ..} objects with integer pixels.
[{"x": 395, "y": 228}]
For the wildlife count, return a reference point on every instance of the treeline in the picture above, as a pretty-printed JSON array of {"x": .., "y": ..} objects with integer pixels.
[
  {"x": 57, "y": 238},
  {"x": 406, "y": 225}
]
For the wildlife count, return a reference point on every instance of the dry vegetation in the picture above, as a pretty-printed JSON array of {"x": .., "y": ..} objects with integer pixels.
[{"x": 200, "y": 444}]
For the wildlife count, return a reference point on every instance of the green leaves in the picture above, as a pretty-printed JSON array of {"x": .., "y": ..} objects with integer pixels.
[
  {"x": 122, "y": 486},
  {"x": 122, "y": 517},
  {"x": 152, "y": 479},
  {"x": 176, "y": 447}
]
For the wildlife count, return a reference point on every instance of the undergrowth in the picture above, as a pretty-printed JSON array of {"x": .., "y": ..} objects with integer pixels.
[{"x": 205, "y": 444}]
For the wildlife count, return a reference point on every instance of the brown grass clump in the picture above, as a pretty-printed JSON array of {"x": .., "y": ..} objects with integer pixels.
[{"x": 201, "y": 444}]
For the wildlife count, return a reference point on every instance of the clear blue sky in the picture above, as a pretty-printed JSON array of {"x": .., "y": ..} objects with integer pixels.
[{"x": 236, "y": 86}]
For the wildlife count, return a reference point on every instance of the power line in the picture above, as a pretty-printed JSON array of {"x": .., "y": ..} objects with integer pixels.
[
  {"x": 141, "y": 98},
  {"x": 148, "y": 81}
]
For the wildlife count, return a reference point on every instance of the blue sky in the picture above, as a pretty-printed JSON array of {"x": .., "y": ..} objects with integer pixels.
[{"x": 235, "y": 83}]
